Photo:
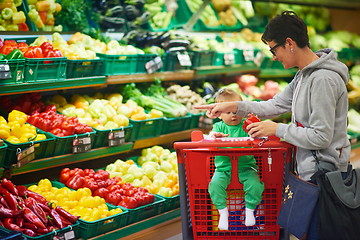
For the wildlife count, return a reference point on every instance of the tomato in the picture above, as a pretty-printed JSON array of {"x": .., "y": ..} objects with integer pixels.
[{"x": 251, "y": 119}]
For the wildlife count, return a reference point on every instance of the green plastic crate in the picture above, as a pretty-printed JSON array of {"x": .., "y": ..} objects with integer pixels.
[
  {"x": 91, "y": 229},
  {"x": 102, "y": 136},
  {"x": 220, "y": 59},
  {"x": 176, "y": 124},
  {"x": 50, "y": 236},
  {"x": 45, "y": 69},
  {"x": 17, "y": 67},
  {"x": 195, "y": 119},
  {"x": 118, "y": 64},
  {"x": 172, "y": 63},
  {"x": 43, "y": 149},
  {"x": 83, "y": 68},
  {"x": 147, "y": 211},
  {"x": 64, "y": 145},
  {"x": 203, "y": 58},
  {"x": 171, "y": 203},
  {"x": 104, "y": 225},
  {"x": 268, "y": 63},
  {"x": 143, "y": 129},
  {"x": 3, "y": 151},
  {"x": 6, "y": 234}
]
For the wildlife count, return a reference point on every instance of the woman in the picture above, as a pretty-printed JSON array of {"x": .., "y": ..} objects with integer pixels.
[{"x": 316, "y": 97}]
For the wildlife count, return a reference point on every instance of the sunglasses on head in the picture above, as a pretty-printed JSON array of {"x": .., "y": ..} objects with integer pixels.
[{"x": 272, "y": 50}]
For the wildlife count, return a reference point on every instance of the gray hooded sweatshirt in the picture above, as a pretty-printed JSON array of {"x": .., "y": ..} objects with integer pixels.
[{"x": 320, "y": 111}]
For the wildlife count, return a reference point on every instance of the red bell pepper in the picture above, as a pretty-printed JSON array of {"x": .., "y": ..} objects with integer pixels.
[
  {"x": 22, "y": 46},
  {"x": 251, "y": 119},
  {"x": 34, "y": 52},
  {"x": 64, "y": 175},
  {"x": 23, "y": 27},
  {"x": 128, "y": 202},
  {"x": 114, "y": 198},
  {"x": 6, "y": 49},
  {"x": 32, "y": 218},
  {"x": 101, "y": 192},
  {"x": 75, "y": 182}
]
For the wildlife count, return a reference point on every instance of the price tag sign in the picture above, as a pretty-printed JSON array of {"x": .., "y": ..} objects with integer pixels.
[
  {"x": 25, "y": 156},
  {"x": 70, "y": 235},
  {"x": 116, "y": 138},
  {"x": 5, "y": 71},
  {"x": 153, "y": 65},
  {"x": 184, "y": 59},
  {"x": 229, "y": 59},
  {"x": 249, "y": 55},
  {"x": 81, "y": 145}
]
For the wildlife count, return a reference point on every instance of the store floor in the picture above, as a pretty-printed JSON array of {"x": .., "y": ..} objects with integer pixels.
[{"x": 171, "y": 230}]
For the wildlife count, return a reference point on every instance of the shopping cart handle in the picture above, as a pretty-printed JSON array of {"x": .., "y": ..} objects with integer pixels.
[{"x": 198, "y": 141}]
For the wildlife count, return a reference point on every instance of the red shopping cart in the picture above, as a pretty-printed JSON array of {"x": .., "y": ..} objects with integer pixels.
[{"x": 196, "y": 167}]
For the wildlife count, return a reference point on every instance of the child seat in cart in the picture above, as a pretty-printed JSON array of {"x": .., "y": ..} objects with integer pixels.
[{"x": 196, "y": 167}]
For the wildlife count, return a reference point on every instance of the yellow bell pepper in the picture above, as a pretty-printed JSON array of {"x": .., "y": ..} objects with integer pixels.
[
  {"x": 16, "y": 115},
  {"x": 13, "y": 139},
  {"x": 4, "y": 134}
]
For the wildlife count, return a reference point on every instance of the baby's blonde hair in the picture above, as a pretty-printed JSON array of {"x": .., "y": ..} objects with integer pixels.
[{"x": 227, "y": 94}]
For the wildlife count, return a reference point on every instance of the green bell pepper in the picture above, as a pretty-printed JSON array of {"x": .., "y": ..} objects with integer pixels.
[{"x": 15, "y": 54}]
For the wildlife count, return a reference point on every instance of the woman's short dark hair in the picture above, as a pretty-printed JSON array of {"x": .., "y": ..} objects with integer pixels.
[{"x": 288, "y": 24}]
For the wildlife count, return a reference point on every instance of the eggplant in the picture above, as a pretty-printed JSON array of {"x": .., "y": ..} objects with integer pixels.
[
  {"x": 131, "y": 12},
  {"x": 176, "y": 43},
  {"x": 112, "y": 22},
  {"x": 117, "y": 11}
]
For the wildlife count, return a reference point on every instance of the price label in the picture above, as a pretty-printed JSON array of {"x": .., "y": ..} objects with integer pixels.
[
  {"x": 249, "y": 55},
  {"x": 25, "y": 156},
  {"x": 116, "y": 138},
  {"x": 5, "y": 71},
  {"x": 229, "y": 58},
  {"x": 70, "y": 235},
  {"x": 81, "y": 145},
  {"x": 153, "y": 65},
  {"x": 184, "y": 59}
]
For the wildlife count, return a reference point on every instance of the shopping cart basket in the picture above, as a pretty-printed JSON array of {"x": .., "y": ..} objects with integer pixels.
[{"x": 196, "y": 167}]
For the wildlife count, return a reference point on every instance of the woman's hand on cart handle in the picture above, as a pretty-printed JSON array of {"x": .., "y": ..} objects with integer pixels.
[
  {"x": 214, "y": 110},
  {"x": 262, "y": 129}
]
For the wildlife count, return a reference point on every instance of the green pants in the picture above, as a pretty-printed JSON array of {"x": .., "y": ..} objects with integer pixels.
[{"x": 253, "y": 187}]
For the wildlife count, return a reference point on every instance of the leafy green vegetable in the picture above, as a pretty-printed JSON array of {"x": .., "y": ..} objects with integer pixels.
[
  {"x": 154, "y": 100},
  {"x": 73, "y": 14}
]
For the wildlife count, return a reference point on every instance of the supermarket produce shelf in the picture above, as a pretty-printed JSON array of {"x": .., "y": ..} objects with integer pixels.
[
  {"x": 41, "y": 86},
  {"x": 163, "y": 139},
  {"x": 145, "y": 77},
  {"x": 227, "y": 70},
  {"x": 61, "y": 160},
  {"x": 139, "y": 226},
  {"x": 278, "y": 73}
]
